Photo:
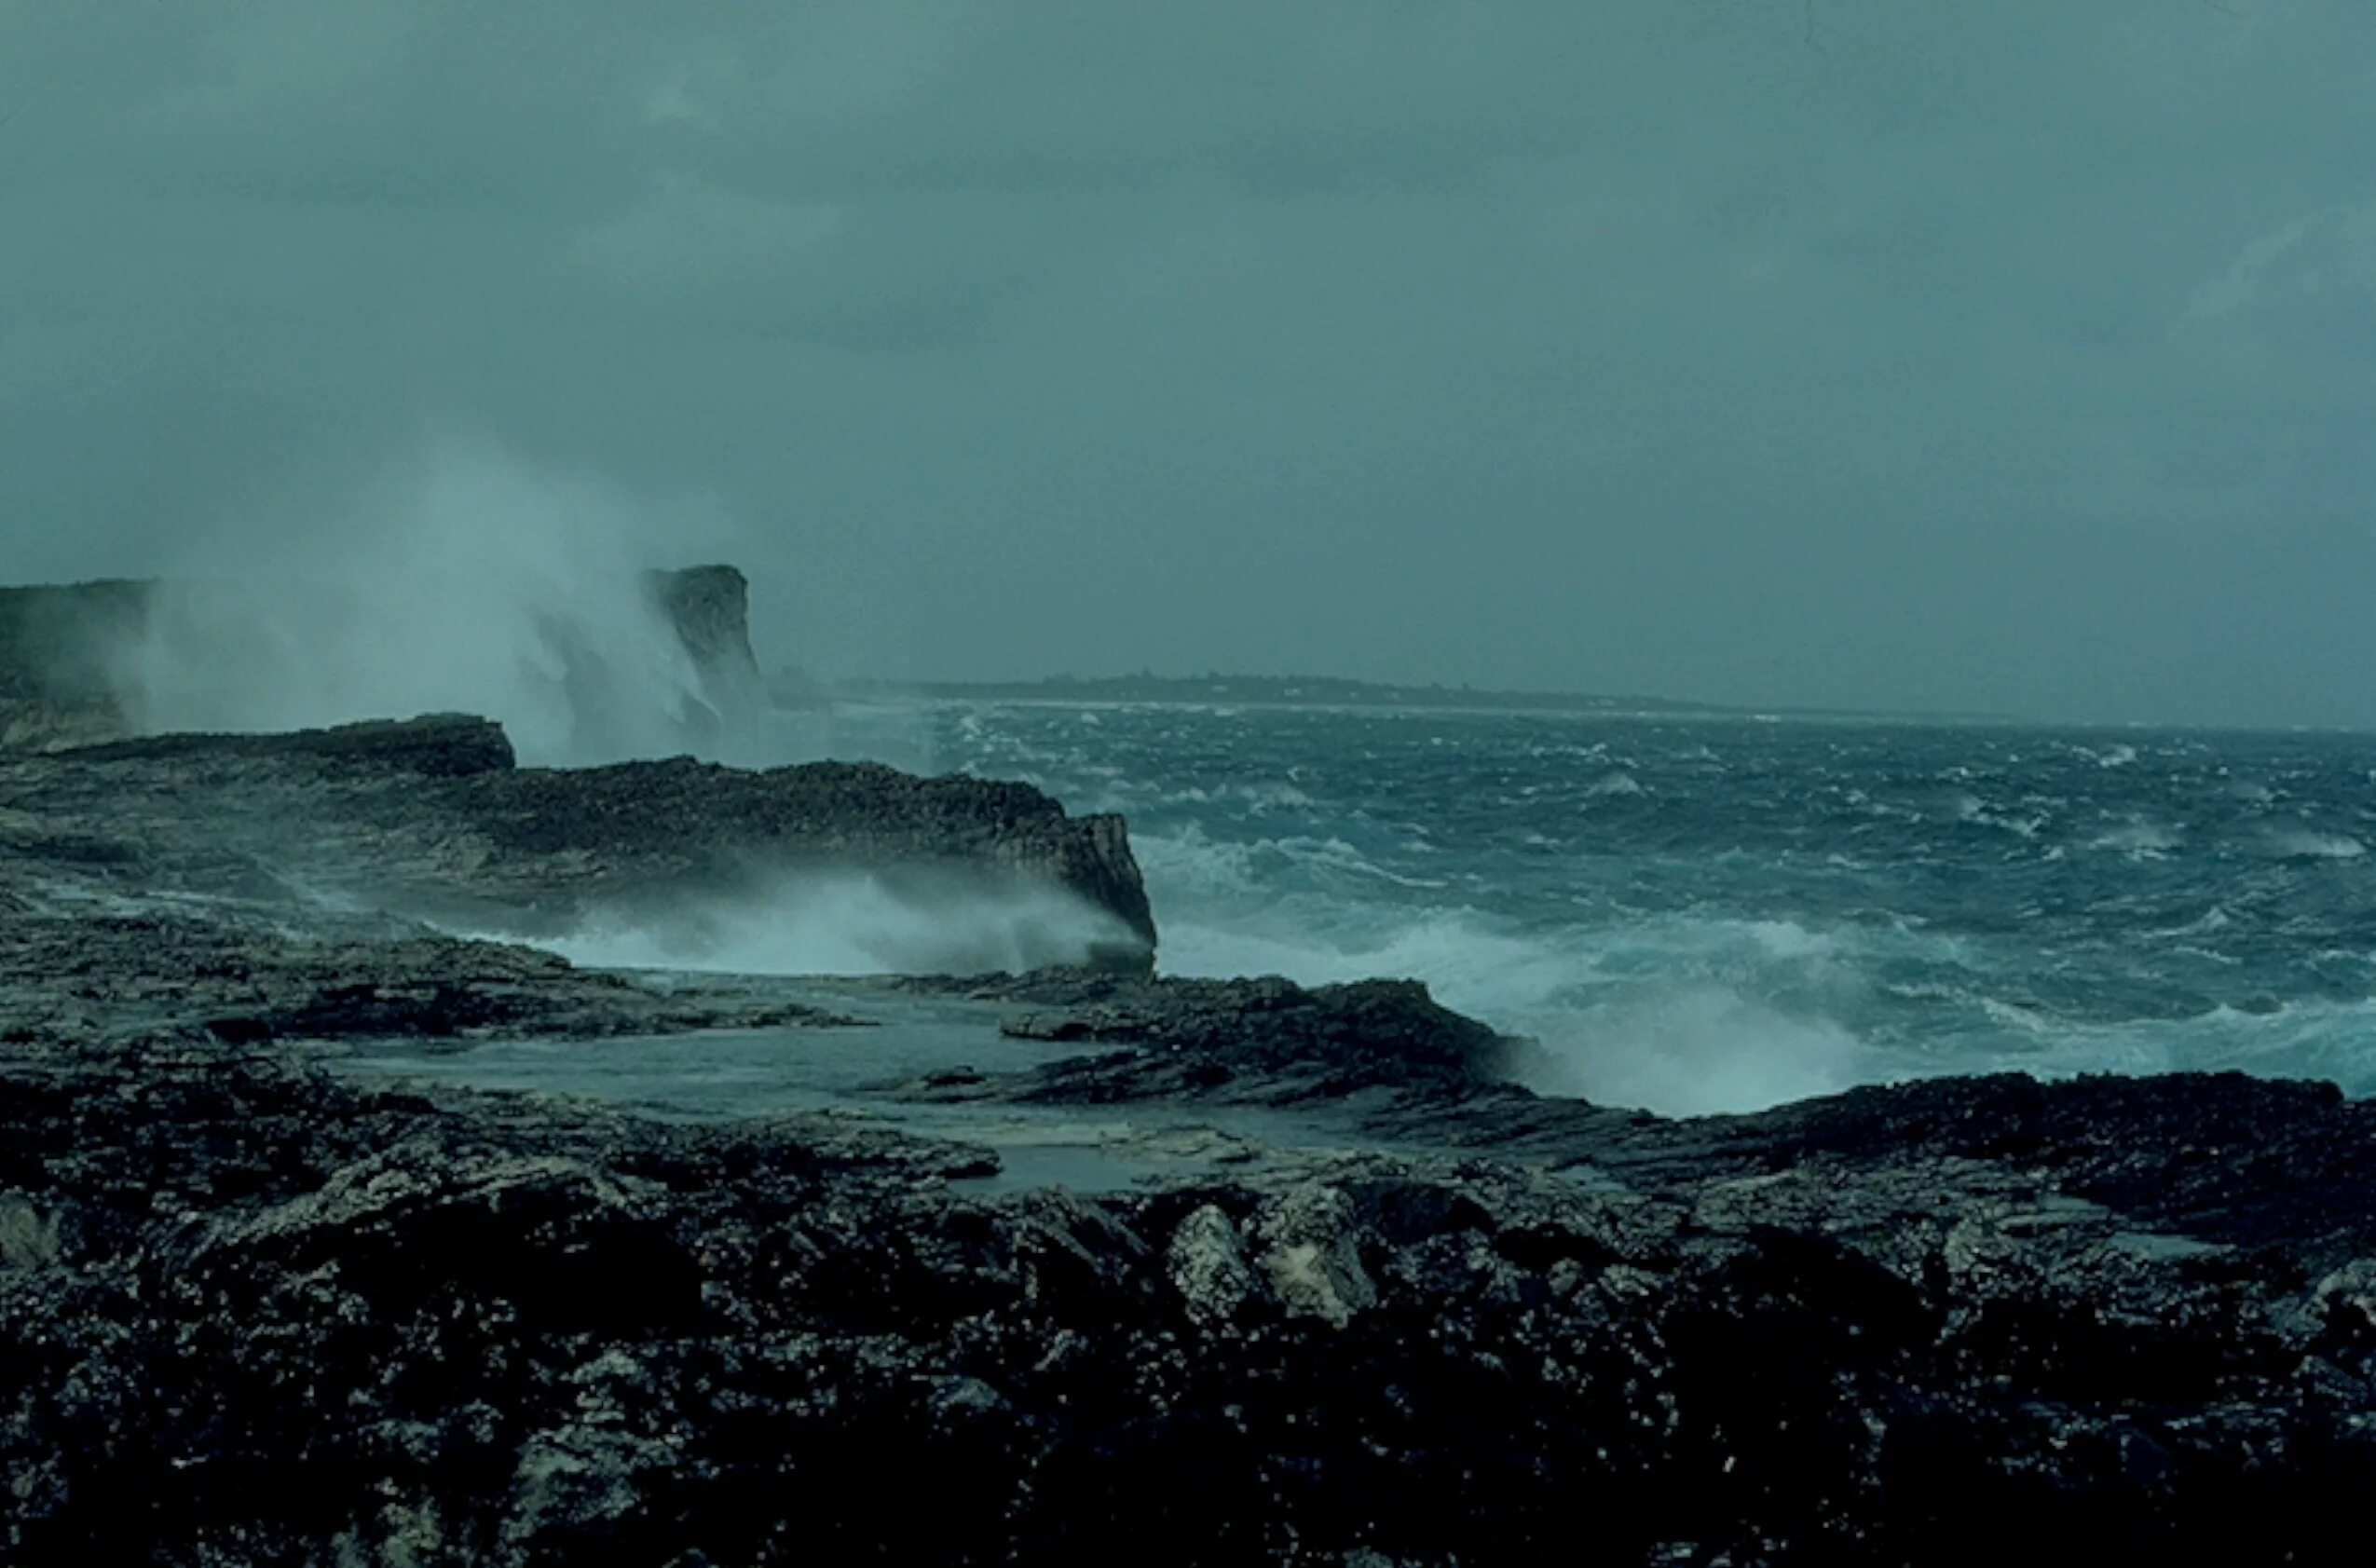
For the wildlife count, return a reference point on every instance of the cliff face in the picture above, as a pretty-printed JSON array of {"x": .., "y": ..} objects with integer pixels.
[
  {"x": 69, "y": 652},
  {"x": 432, "y": 818}
]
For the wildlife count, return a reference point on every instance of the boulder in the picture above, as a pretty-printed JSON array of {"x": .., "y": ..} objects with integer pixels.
[{"x": 484, "y": 1330}]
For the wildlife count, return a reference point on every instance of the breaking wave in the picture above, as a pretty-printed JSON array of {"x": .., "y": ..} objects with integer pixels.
[
  {"x": 2303, "y": 843},
  {"x": 1684, "y": 1016},
  {"x": 1710, "y": 915},
  {"x": 855, "y": 922}
]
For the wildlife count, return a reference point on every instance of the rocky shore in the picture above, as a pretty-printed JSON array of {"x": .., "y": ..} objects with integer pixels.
[
  {"x": 260, "y": 1306},
  {"x": 253, "y": 1314}
]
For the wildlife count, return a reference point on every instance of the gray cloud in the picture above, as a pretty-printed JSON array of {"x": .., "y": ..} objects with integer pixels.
[{"x": 2017, "y": 356}]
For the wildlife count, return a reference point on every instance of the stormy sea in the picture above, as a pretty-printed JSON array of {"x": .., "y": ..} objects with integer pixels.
[{"x": 1720, "y": 914}]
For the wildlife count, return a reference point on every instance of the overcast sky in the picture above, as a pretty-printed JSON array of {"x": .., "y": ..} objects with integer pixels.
[{"x": 2014, "y": 356}]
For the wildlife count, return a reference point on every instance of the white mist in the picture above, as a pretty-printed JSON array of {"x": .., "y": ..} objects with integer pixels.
[{"x": 477, "y": 584}]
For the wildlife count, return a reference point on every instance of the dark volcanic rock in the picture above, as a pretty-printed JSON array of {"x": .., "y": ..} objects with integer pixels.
[
  {"x": 706, "y": 821},
  {"x": 250, "y": 1316}
]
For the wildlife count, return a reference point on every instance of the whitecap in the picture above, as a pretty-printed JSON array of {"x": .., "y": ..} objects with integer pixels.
[
  {"x": 2139, "y": 838},
  {"x": 2013, "y": 1015},
  {"x": 1692, "y": 1050},
  {"x": 2308, "y": 843},
  {"x": 2215, "y": 919}
]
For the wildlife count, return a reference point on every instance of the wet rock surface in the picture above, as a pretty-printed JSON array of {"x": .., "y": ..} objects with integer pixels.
[
  {"x": 106, "y": 977},
  {"x": 1265, "y": 1040},
  {"x": 253, "y": 1314}
]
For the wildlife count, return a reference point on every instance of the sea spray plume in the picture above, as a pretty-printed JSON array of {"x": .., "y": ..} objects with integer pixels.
[
  {"x": 859, "y": 921},
  {"x": 479, "y": 584}
]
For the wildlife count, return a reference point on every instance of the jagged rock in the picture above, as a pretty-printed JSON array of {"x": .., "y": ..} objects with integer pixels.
[
  {"x": 1207, "y": 1262},
  {"x": 432, "y": 747},
  {"x": 1310, "y": 1256},
  {"x": 242, "y": 983},
  {"x": 2348, "y": 1298},
  {"x": 558, "y": 1241},
  {"x": 581, "y": 1489},
  {"x": 498, "y": 1331}
]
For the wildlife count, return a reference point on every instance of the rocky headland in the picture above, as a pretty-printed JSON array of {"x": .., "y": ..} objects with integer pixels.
[
  {"x": 432, "y": 818},
  {"x": 1340, "y": 1293}
]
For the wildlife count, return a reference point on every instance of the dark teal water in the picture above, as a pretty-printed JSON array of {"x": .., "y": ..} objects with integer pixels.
[{"x": 1721, "y": 914}]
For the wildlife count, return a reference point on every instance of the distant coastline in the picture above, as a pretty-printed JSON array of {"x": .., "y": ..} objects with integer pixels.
[{"x": 1333, "y": 692}]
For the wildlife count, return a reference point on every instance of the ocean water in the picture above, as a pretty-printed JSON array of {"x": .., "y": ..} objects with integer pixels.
[{"x": 1714, "y": 914}]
